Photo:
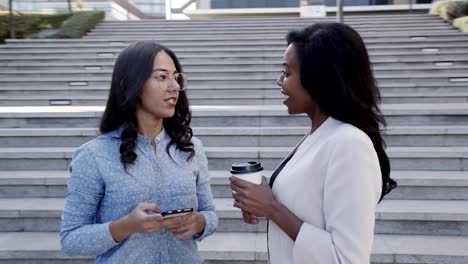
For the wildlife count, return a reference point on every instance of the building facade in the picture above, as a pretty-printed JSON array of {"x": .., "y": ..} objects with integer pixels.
[
  {"x": 153, "y": 8},
  {"x": 222, "y": 4}
]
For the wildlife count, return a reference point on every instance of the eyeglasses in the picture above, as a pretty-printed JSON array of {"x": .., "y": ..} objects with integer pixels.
[{"x": 177, "y": 82}]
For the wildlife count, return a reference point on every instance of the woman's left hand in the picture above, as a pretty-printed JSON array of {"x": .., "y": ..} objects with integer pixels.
[
  {"x": 257, "y": 199},
  {"x": 186, "y": 226}
]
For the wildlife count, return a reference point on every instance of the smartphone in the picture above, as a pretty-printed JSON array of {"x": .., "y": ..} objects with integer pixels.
[{"x": 174, "y": 213}]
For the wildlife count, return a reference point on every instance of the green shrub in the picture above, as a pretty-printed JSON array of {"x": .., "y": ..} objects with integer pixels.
[
  {"x": 79, "y": 24},
  {"x": 450, "y": 9},
  {"x": 437, "y": 7},
  {"x": 27, "y": 25},
  {"x": 461, "y": 23},
  {"x": 456, "y": 9}
]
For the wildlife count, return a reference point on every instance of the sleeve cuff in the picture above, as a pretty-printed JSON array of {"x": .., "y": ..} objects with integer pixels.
[
  {"x": 211, "y": 221},
  {"x": 304, "y": 252},
  {"x": 107, "y": 236}
]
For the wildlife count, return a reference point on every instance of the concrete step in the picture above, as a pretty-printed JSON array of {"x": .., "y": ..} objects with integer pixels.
[
  {"x": 233, "y": 76},
  {"x": 397, "y": 136},
  {"x": 270, "y": 29},
  {"x": 285, "y": 24},
  {"x": 108, "y": 66},
  {"x": 232, "y": 22},
  {"x": 403, "y": 217},
  {"x": 198, "y": 97},
  {"x": 415, "y": 36},
  {"x": 210, "y": 31},
  {"x": 33, "y": 184},
  {"x": 101, "y": 63},
  {"x": 449, "y": 32},
  {"x": 221, "y": 158},
  {"x": 234, "y": 91},
  {"x": 412, "y": 185},
  {"x": 370, "y": 32},
  {"x": 269, "y": 71},
  {"x": 43, "y": 214},
  {"x": 429, "y": 88},
  {"x": 263, "y": 21},
  {"x": 354, "y": 21},
  {"x": 219, "y": 248},
  {"x": 227, "y": 20},
  {"x": 90, "y": 43},
  {"x": 220, "y": 81},
  {"x": 256, "y": 88},
  {"x": 267, "y": 22},
  {"x": 387, "y": 38},
  {"x": 109, "y": 58},
  {"x": 271, "y": 25},
  {"x": 246, "y": 248},
  {"x": 230, "y": 116},
  {"x": 429, "y": 185},
  {"x": 148, "y": 31},
  {"x": 420, "y": 92},
  {"x": 273, "y": 52},
  {"x": 401, "y": 158},
  {"x": 396, "y": 16}
]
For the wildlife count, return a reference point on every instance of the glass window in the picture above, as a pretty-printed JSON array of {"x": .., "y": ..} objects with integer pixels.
[{"x": 217, "y": 4}]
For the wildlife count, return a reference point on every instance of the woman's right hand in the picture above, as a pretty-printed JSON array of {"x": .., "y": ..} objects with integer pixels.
[
  {"x": 140, "y": 220},
  {"x": 249, "y": 218}
]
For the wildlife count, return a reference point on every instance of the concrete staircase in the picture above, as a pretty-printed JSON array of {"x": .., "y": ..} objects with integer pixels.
[{"x": 52, "y": 94}]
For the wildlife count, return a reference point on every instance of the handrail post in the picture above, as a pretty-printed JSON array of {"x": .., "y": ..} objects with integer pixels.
[{"x": 339, "y": 11}]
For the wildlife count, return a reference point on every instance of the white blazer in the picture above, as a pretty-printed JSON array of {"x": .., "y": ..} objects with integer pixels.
[{"x": 333, "y": 184}]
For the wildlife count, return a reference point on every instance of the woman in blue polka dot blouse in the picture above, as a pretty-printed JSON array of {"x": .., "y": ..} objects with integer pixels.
[{"x": 144, "y": 162}]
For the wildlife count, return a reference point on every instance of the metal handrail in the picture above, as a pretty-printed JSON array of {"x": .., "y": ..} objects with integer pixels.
[{"x": 180, "y": 10}]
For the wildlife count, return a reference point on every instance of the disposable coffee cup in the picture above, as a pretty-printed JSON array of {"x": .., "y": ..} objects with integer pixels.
[{"x": 250, "y": 171}]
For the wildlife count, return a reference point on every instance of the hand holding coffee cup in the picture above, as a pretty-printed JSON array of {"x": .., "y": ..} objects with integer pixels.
[{"x": 250, "y": 171}]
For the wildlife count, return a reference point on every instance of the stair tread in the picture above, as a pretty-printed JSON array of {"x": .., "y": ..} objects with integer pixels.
[
  {"x": 263, "y": 131},
  {"x": 242, "y": 152},
  {"x": 435, "y": 210},
  {"x": 246, "y": 245}
]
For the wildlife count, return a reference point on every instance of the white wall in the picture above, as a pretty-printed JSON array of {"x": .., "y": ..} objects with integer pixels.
[
  {"x": 204, "y": 4},
  {"x": 116, "y": 12},
  {"x": 4, "y": 3}
]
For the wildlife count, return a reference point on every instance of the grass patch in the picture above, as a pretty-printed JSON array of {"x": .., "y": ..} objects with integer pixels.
[
  {"x": 71, "y": 25},
  {"x": 27, "y": 25},
  {"x": 79, "y": 24}
]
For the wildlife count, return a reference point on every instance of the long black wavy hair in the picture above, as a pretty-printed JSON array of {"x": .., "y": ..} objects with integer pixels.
[
  {"x": 336, "y": 72},
  {"x": 132, "y": 68}
]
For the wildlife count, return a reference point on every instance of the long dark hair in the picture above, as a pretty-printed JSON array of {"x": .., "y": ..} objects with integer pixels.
[
  {"x": 336, "y": 72},
  {"x": 132, "y": 68}
]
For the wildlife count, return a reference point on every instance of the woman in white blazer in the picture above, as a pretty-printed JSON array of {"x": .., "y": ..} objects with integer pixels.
[{"x": 321, "y": 199}]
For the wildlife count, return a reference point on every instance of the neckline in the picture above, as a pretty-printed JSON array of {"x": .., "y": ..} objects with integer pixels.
[{"x": 158, "y": 138}]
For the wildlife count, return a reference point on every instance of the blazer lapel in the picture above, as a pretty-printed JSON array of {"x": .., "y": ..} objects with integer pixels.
[{"x": 284, "y": 161}]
